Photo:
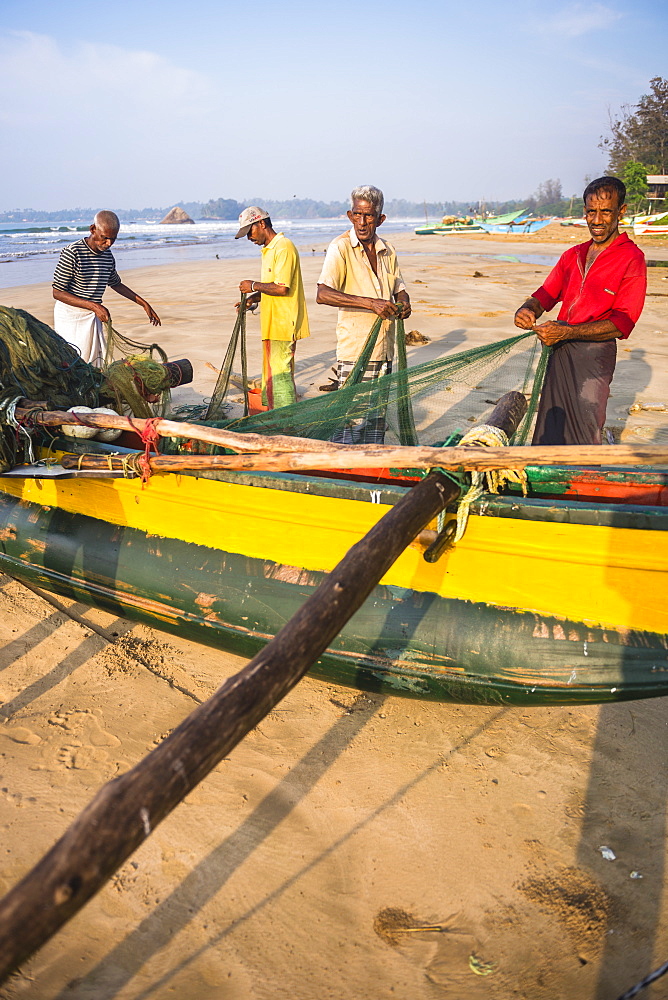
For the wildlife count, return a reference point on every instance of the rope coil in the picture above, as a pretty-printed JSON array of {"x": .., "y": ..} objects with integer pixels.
[
  {"x": 486, "y": 436},
  {"x": 131, "y": 464}
]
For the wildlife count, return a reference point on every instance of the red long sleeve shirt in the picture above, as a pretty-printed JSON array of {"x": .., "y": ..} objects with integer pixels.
[{"x": 613, "y": 288}]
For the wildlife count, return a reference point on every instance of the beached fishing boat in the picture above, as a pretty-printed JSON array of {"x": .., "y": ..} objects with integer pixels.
[
  {"x": 443, "y": 229},
  {"x": 468, "y": 225},
  {"x": 522, "y": 225},
  {"x": 558, "y": 597},
  {"x": 651, "y": 225}
]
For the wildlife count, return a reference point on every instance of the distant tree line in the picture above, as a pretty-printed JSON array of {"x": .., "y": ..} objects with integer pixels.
[
  {"x": 548, "y": 199},
  {"x": 307, "y": 208},
  {"x": 82, "y": 215},
  {"x": 227, "y": 209}
]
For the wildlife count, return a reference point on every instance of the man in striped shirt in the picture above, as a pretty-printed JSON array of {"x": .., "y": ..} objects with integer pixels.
[{"x": 84, "y": 271}]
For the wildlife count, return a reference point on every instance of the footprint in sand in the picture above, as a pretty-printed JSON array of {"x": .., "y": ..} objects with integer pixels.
[
  {"x": 78, "y": 758},
  {"x": 575, "y": 807},
  {"x": 20, "y": 734},
  {"x": 85, "y": 748},
  {"x": 86, "y": 726}
]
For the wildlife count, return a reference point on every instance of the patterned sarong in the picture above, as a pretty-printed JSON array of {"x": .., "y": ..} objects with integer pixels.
[
  {"x": 278, "y": 373},
  {"x": 370, "y": 430}
]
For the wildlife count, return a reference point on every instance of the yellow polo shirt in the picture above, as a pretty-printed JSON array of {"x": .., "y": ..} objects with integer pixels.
[
  {"x": 347, "y": 269},
  {"x": 283, "y": 317}
]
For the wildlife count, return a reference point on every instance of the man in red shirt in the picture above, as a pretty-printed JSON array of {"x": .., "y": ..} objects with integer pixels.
[{"x": 601, "y": 286}]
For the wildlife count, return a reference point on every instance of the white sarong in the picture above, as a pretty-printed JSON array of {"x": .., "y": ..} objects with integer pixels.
[{"x": 82, "y": 329}]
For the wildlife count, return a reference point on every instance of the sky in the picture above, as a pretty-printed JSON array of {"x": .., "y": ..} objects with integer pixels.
[{"x": 145, "y": 104}]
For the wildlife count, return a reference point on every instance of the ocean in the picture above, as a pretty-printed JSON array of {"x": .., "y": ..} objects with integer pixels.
[{"x": 29, "y": 252}]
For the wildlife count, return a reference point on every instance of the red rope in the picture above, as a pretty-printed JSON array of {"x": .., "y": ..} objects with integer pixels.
[{"x": 150, "y": 437}]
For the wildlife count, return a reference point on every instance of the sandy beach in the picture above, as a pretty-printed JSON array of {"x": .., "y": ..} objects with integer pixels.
[{"x": 343, "y": 816}]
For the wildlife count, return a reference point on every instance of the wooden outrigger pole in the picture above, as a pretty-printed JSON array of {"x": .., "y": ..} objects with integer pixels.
[
  {"x": 177, "y": 428},
  {"x": 382, "y": 457},
  {"x": 126, "y": 810},
  {"x": 282, "y": 453}
]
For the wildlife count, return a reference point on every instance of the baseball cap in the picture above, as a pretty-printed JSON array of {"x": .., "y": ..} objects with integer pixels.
[{"x": 248, "y": 217}]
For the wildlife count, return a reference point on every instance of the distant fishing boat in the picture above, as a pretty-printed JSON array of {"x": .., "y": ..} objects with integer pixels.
[
  {"x": 441, "y": 228},
  {"x": 651, "y": 225},
  {"x": 642, "y": 225},
  {"x": 456, "y": 227},
  {"x": 522, "y": 225},
  {"x": 450, "y": 224}
]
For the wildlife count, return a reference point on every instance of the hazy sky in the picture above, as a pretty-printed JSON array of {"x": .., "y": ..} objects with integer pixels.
[{"x": 136, "y": 104}]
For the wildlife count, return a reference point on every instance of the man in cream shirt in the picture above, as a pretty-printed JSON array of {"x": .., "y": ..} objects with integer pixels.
[{"x": 361, "y": 277}]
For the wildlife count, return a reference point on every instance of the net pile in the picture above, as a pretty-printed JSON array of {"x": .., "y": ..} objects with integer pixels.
[
  {"x": 136, "y": 380},
  {"x": 36, "y": 364}
]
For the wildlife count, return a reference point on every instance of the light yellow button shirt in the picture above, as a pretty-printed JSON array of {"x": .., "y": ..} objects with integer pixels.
[
  {"x": 283, "y": 317},
  {"x": 347, "y": 269}
]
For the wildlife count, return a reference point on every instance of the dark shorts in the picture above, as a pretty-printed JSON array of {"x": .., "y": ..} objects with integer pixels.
[{"x": 575, "y": 393}]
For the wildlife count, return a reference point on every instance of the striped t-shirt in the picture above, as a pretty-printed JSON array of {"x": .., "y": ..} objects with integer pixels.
[{"x": 85, "y": 272}]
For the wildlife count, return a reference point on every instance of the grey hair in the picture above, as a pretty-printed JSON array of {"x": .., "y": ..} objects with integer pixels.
[
  {"x": 367, "y": 192},
  {"x": 108, "y": 219}
]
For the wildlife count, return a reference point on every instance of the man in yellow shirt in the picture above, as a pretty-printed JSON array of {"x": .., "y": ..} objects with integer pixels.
[{"x": 283, "y": 317}]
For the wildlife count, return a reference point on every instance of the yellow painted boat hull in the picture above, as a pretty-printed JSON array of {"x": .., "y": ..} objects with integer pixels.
[{"x": 542, "y": 600}]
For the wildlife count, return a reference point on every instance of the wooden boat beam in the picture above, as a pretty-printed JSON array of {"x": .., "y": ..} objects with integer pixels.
[
  {"x": 282, "y": 453},
  {"x": 456, "y": 459},
  {"x": 126, "y": 810}
]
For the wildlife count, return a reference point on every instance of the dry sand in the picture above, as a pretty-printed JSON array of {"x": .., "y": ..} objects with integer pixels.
[{"x": 343, "y": 817}]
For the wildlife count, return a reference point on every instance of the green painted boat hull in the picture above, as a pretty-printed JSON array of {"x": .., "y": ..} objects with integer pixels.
[{"x": 401, "y": 641}]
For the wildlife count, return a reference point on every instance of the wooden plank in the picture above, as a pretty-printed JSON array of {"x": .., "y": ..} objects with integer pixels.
[
  {"x": 281, "y": 453},
  {"x": 178, "y": 429}
]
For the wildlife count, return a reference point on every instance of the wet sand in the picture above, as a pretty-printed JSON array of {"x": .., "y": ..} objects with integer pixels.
[{"x": 343, "y": 815}]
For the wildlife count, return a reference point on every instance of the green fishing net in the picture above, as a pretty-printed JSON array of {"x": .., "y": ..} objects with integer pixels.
[
  {"x": 140, "y": 383},
  {"x": 219, "y": 404},
  {"x": 38, "y": 364},
  {"x": 136, "y": 380},
  {"x": 423, "y": 404}
]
